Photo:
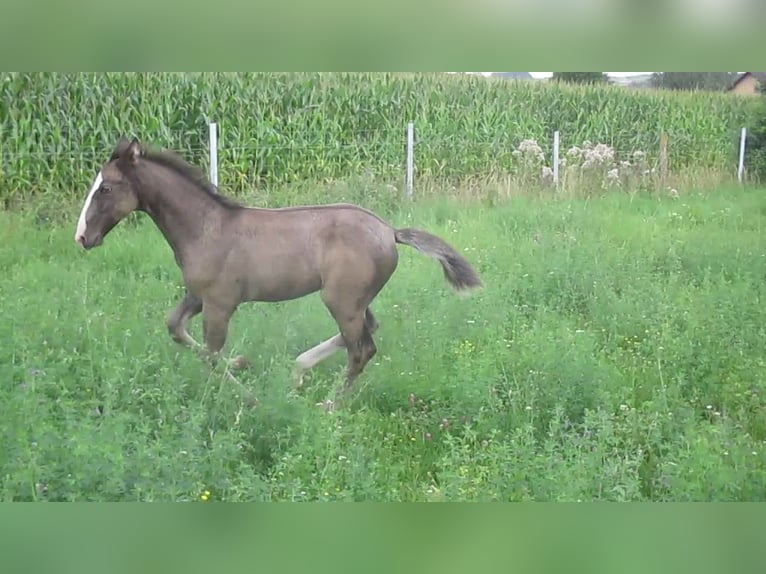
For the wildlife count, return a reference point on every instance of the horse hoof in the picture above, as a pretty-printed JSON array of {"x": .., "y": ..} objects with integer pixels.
[
  {"x": 240, "y": 362},
  {"x": 297, "y": 376}
]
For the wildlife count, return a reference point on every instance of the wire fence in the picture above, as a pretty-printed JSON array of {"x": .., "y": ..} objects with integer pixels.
[{"x": 406, "y": 153}]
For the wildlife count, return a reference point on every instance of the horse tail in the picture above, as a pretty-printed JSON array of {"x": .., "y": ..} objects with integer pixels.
[{"x": 457, "y": 270}]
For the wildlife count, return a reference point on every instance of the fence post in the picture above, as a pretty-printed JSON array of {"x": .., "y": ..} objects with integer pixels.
[
  {"x": 214, "y": 153},
  {"x": 556, "y": 158},
  {"x": 741, "y": 167},
  {"x": 663, "y": 158},
  {"x": 410, "y": 157}
]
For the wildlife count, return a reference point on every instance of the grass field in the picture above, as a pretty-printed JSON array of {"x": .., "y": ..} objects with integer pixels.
[{"x": 616, "y": 353}]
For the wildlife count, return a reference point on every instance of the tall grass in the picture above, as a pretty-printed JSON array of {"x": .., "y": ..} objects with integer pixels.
[
  {"x": 55, "y": 129},
  {"x": 616, "y": 353}
]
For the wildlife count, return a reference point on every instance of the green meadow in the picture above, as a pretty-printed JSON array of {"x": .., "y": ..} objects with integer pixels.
[{"x": 615, "y": 353}]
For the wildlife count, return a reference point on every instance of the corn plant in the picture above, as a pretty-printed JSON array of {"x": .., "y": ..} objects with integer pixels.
[{"x": 56, "y": 128}]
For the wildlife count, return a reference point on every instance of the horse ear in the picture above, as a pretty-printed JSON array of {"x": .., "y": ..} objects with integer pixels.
[{"x": 134, "y": 151}]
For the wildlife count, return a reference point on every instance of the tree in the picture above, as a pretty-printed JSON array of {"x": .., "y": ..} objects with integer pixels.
[
  {"x": 712, "y": 81},
  {"x": 755, "y": 144},
  {"x": 581, "y": 77}
]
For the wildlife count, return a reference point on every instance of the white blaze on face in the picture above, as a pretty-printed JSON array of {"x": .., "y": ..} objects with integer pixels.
[{"x": 80, "y": 233}]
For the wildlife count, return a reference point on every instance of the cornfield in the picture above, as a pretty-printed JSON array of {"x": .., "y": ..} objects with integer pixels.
[{"x": 56, "y": 129}]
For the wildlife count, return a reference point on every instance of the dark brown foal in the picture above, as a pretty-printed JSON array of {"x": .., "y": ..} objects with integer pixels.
[{"x": 230, "y": 254}]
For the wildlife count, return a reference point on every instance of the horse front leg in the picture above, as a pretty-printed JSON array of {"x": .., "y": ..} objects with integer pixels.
[
  {"x": 189, "y": 307},
  {"x": 215, "y": 328}
]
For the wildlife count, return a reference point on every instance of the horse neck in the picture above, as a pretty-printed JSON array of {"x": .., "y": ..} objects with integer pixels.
[{"x": 182, "y": 212}]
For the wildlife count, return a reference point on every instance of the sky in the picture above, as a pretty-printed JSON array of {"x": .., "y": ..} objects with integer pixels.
[
  {"x": 549, "y": 74},
  {"x": 538, "y": 75}
]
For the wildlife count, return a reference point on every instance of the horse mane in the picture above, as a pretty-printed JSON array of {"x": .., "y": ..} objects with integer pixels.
[{"x": 175, "y": 162}]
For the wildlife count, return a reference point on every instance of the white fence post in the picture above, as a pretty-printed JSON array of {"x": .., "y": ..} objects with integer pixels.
[
  {"x": 214, "y": 153},
  {"x": 410, "y": 157},
  {"x": 741, "y": 168},
  {"x": 556, "y": 158}
]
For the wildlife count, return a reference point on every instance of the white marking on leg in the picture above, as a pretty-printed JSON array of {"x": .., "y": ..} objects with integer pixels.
[
  {"x": 322, "y": 351},
  {"x": 186, "y": 339},
  {"x": 80, "y": 233}
]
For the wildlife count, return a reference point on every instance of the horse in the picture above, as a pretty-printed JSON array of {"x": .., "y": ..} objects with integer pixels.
[{"x": 230, "y": 253}]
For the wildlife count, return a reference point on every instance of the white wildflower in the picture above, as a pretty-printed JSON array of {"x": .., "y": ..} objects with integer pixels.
[
  {"x": 599, "y": 154},
  {"x": 530, "y": 148}
]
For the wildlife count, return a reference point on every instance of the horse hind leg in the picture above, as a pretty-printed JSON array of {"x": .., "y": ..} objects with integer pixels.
[
  {"x": 370, "y": 321},
  {"x": 326, "y": 349},
  {"x": 360, "y": 348},
  {"x": 359, "y": 354},
  {"x": 310, "y": 358}
]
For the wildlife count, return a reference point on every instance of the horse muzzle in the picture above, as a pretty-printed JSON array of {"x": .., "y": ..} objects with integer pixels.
[{"x": 87, "y": 244}]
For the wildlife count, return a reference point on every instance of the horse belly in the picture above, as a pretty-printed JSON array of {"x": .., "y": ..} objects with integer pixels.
[{"x": 281, "y": 280}]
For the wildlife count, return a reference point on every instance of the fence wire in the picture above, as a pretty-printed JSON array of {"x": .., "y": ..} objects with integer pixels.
[{"x": 279, "y": 156}]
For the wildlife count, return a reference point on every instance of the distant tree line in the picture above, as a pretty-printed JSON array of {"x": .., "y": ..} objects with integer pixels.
[
  {"x": 581, "y": 77},
  {"x": 755, "y": 144},
  {"x": 712, "y": 81}
]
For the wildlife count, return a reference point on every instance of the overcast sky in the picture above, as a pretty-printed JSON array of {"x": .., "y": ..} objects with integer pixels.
[{"x": 548, "y": 74}]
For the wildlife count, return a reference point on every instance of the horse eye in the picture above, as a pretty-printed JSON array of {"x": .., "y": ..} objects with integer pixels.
[{"x": 106, "y": 188}]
